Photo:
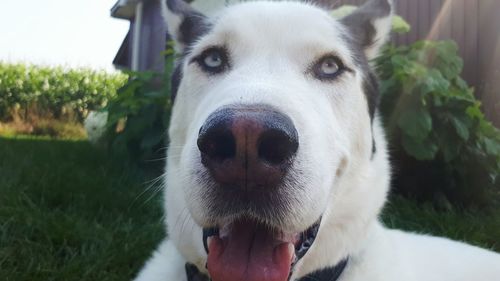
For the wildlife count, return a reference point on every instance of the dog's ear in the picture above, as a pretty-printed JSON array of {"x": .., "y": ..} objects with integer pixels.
[
  {"x": 185, "y": 24},
  {"x": 370, "y": 25}
]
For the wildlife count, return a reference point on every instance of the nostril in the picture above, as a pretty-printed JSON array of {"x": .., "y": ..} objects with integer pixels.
[
  {"x": 276, "y": 146},
  {"x": 217, "y": 145}
]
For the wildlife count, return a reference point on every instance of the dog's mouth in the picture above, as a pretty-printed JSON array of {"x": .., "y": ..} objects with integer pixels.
[{"x": 246, "y": 250}]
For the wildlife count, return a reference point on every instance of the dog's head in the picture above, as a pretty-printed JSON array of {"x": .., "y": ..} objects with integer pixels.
[{"x": 274, "y": 105}]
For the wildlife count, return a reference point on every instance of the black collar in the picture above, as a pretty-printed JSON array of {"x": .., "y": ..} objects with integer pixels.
[{"x": 328, "y": 274}]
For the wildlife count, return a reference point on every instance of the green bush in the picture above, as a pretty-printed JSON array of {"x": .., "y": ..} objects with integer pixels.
[
  {"x": 139, "y": 115},
  {"x": 441, "y": 141},
  {"x": 27, "y": 90}
]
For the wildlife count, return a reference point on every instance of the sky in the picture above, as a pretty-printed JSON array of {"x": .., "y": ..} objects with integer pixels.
[{"x": 71, "y": 33}]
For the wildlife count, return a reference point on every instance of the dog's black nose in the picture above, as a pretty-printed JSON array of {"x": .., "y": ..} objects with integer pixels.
[{"x": 248, "y": 146}]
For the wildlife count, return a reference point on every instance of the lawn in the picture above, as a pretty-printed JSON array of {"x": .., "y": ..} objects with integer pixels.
[{"x": 69, "y": 211}]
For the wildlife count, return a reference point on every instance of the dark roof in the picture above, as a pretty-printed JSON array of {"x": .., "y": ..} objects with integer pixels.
[{"x": 122, "y": 58}]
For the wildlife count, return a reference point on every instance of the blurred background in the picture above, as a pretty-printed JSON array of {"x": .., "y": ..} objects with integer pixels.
[{"x": 85, "y": 105}]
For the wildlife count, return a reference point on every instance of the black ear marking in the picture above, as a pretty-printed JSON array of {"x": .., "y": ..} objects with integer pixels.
[
  {"x": 190, "y": 24},
  {"x": 185, "y": 25},
  {"x": 192, "y": 27},
  {"x": 361, "y": 22}
]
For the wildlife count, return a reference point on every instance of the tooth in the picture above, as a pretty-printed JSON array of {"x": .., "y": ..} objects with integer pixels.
[
  {"x": 210, "y": 240},
  {"x": 291, "y": 250}
]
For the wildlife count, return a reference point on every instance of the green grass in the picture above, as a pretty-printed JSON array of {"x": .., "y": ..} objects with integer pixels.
[
  {"x": 69, "y": 211},
  {"x": 478, "y": 227}
]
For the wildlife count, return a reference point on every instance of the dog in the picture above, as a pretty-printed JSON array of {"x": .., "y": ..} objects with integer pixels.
[{"x": 277, "y": 167}]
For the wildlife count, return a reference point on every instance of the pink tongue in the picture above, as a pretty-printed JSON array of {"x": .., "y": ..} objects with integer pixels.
[{"x": 249, "y": 253}]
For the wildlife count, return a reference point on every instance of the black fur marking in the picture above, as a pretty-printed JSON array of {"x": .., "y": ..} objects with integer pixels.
[
  {"x": 363, "y": 32},
  {"x": 193, "y": 274},
  {"x": 175, "y": 6},
  {"x": 178, "y": 6},
  {"x": 360, "y": 22},
  {"x": 370, "y": 81},
  {"x": 372, "y": 94},
  {"x": 361, "y": 35},
  {"x": 193, "y": 26},
  {"x": 193, "y": 23},
  {"x": 175, "y": 81},
  {"x": 371, "y": 90}
]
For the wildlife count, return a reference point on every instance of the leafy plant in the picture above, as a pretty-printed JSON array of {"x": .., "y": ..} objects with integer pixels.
[
  {"x": 35, "y": 91},
  {"x": 441, "y": 139},
  {"x": 139, "y": 115}
]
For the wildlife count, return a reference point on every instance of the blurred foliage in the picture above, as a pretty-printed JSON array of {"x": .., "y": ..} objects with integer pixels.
[
  {"x": 28, "y": 91},
  {"x": 44, "y": 127},
  {"x": 442, "y": 143},
  {"x": 139, "y": 114}
]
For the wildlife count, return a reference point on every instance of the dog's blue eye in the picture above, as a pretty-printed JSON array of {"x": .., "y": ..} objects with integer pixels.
[
  {"x": 213, "y": 60},
  {"x": 328, "y": 67}
]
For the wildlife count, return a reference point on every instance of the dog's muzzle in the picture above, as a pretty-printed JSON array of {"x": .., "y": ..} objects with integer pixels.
[
  {"x": 248, "y": 151},
  {"x": 248, "y": 147}
]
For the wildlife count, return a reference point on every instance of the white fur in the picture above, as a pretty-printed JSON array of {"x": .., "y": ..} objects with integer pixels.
[
  {"x": 384, "y": 27},
  {"x": 271, "y": 46}
]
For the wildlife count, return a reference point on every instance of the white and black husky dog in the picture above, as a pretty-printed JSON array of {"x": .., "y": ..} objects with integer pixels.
[{"x": 277, "y": 165}]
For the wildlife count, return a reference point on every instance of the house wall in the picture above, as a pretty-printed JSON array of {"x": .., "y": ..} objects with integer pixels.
[
  {"x": 473, "y": 24},
  {"x": 153, "y": 37}
]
